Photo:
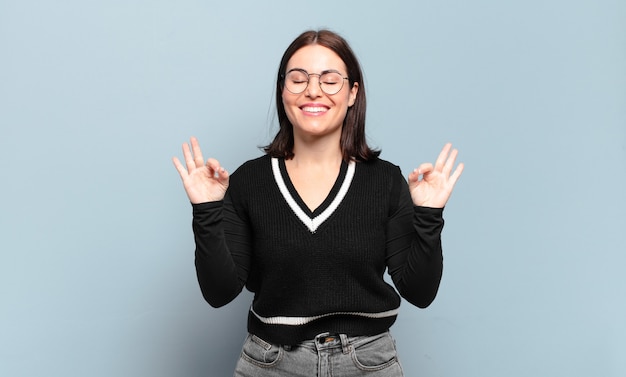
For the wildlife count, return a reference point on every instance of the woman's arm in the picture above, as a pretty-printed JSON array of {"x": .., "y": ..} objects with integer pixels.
[
  {"x": 414, "y": 254},
  {"x": 223, "y": 251},
  {"x": 221, "y": 236}
]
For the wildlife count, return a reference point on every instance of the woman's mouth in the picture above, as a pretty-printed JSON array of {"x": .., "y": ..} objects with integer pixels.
[{"x": 314, "y": 109}]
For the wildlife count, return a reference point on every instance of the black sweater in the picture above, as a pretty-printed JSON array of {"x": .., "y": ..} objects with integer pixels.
[{"x": 313, "y": 272}]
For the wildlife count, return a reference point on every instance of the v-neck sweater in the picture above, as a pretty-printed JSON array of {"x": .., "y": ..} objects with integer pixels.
[{"x": 318, "y": 271}]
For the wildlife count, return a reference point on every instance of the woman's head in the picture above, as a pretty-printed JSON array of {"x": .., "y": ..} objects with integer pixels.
[{"x": 353, "y": 142}]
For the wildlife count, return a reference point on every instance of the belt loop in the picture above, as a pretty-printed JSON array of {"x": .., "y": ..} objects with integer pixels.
[{"x": 345, "y": 344}]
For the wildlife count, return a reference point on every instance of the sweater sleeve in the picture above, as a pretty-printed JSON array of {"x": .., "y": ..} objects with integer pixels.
[
  {"x": 223, "y": 251},
  {"x": 414, "y": 254}
]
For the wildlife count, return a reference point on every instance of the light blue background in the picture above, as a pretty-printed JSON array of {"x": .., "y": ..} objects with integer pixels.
[{"x": 96, "y": 263}]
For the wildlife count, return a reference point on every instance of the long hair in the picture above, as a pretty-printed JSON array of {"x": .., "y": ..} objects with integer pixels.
[{"x": 353, "y": 142}]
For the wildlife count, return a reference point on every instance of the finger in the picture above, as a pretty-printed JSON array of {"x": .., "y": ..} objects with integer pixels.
[
  {"x": 179, "y": 166},
  {"x": 443, "y": 155},
  {"x": 197, "y": 152},
  {"x": 424, "y": 168},
  {"x": 447, "y": 168},
  {"x": 223, "y": 176},
  {"x": 214, "y": 167},
  {"x": 218, "y": 172},
  {"x": 191, "y": 165},
  {"x": 457, "y": 173}
]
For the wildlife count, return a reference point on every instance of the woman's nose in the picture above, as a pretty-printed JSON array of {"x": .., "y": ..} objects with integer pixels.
[{"x": 314, "y": 89}]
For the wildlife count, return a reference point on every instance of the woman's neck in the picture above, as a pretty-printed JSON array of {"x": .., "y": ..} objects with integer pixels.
[
  {"x": 317, "y": 156},
  {"x": 323, "y": 151}
]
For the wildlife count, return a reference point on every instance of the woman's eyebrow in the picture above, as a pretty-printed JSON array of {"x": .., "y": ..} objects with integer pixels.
[{"x": 307, "y": 72}]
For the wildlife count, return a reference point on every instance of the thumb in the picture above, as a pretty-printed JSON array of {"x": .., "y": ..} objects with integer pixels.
[
  {"x": 423, "y": 169},
  {"x": 223, "y": 176}
]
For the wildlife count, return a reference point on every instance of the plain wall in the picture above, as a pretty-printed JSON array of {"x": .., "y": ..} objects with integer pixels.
[{"x": 96, "y": 249}]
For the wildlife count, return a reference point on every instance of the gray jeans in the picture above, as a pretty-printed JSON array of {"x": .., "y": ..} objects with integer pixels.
[{"x": 328, "y": 355}]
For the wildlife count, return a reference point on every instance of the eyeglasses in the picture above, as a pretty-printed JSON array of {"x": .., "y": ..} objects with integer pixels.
[{"x": 297, "y": 80}]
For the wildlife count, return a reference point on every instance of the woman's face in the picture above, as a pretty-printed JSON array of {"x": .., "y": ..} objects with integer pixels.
[{"x": 314, "y": 113}]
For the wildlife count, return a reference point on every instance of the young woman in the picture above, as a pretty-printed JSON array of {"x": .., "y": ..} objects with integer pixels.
[{"x": 311, "y": 226}]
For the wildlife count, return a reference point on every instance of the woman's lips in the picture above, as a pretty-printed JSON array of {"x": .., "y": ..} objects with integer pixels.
[{"x": 314, "y": 109}]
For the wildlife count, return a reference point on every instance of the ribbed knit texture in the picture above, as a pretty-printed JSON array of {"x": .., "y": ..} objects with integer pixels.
[{"x": 254, "y": 238}]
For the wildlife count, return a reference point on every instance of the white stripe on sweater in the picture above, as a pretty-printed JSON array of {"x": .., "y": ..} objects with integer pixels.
[
  {"x": 299, "y": 321},
  {"x": 313, "y": 223}
]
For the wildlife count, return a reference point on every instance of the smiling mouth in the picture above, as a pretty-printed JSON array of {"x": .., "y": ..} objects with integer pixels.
[{"x": 314, "y": 109}]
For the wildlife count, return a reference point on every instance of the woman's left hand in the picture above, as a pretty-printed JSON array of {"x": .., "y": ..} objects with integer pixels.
[{"x": 435, "y": 186}]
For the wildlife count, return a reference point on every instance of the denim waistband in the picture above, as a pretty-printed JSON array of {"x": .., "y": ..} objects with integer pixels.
[
  {"x": 330, "y": 341},
  {"x": 325, "y": 341}
]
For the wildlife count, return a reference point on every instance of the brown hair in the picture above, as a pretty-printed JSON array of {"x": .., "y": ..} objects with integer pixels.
[{"x": 353, "y": 141}]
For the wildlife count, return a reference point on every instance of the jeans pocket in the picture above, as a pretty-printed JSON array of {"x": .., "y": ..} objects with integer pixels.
[
  {"x": 374, "y": 353},
  {"x": 261, "y": 353}
]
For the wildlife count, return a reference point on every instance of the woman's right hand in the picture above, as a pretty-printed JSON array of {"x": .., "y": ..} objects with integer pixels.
[{"x": 203, "y": 182}]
